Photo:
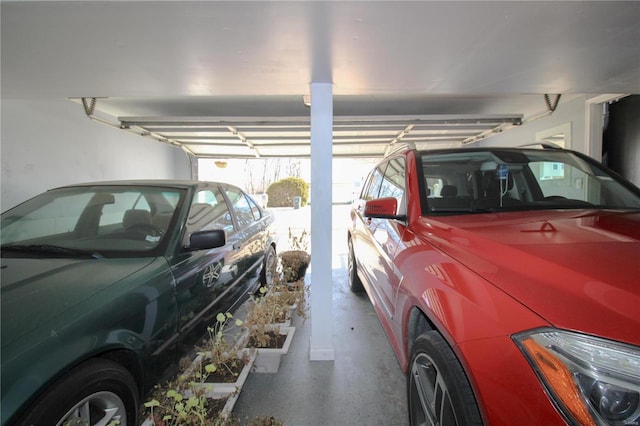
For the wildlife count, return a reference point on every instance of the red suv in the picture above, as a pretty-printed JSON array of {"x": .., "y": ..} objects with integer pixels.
[{"x": 507, "y": 281}]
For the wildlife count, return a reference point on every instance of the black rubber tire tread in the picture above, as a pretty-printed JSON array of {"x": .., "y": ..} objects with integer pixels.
[
  {"x": 355, "y": 284},
  {"x": 263, "y": 274},
  {"x": 463, "y": 400},
  {"x": 88, "y": 378}
]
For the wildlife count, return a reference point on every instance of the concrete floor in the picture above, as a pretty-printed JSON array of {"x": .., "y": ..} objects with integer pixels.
[{"x": 362, "y": 386}]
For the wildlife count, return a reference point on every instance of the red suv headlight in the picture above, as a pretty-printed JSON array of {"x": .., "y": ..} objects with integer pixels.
[{"x": 592, "y": 381}]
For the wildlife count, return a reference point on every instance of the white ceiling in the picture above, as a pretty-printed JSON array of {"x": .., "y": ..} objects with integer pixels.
[{"x": 240, "y": 69}]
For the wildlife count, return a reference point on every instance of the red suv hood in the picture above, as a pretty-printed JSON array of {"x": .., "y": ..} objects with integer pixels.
[{"x": 577, "y": 270}]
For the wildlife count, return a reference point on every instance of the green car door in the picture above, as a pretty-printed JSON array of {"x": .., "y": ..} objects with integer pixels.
[{"x": 204, "y": 276}]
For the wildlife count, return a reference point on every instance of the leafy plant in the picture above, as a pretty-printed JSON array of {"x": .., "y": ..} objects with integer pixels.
[
  {"x": 169, "y": 407},
  {"x": 293, "y": 294},
  {"x": 274, "y": 306},
  {"x": 300, "y": 241},
  {"x": 183, "y": 401},
  {"x": 218, "y": 351},
  {"x": 294, "y": 265},
  {"x": 294, "y": 262},
  {"x": 175, "y": 411},
  {"x": 266, "y": 311}
]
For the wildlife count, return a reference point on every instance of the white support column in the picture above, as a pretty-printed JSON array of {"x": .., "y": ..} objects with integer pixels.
[{"x": 321, "y": 345}]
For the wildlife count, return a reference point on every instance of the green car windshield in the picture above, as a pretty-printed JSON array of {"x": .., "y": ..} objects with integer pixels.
[
  {"x": 94, "y": 221},
  {"x": 514, "y": 180}
]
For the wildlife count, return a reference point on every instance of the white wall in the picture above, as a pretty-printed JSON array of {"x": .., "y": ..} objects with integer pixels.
[
  {"x": 573, "y": 112},
  {"x": 49, "y": 143}
]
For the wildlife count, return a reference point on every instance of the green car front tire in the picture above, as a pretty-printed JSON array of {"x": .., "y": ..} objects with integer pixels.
[{"x": 96, "y": 392}]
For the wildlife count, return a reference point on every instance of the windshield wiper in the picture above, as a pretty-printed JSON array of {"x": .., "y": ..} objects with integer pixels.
[{"x": 51, "y": 249}]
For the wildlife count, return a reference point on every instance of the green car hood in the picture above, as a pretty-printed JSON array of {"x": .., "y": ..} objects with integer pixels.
[{"x": 36, "y": 291}]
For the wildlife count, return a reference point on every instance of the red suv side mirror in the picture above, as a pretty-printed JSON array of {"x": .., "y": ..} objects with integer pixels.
[{"x": 384, "y": 208}]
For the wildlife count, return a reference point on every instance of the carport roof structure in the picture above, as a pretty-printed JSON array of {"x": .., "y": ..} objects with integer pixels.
[
  {"x": 371, "y": 136},
  {"x": 219, "y": 127}
]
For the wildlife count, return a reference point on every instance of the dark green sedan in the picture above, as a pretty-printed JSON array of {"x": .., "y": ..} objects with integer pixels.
[{"x": 104, "y": 283}]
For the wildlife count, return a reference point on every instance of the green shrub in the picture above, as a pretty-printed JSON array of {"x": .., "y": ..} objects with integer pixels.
[{"x": 281, "y": 193}]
